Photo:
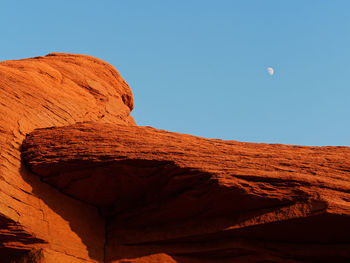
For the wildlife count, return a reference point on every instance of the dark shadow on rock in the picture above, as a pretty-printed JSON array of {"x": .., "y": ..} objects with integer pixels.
[
  {"x": 31, "y": 256},
  {"x": 11, "y": 233},
  {"x": 9, "y": 255},
  {"x": 82, "y": 217},
  {"x": 159, "y": 207}
]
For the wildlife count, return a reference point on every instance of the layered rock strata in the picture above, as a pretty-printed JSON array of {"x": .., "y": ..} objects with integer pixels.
[
  {"x": 54, "y": 90},
  {"x": 80, "y": 182},
  {"x": 193, "y": 198}
]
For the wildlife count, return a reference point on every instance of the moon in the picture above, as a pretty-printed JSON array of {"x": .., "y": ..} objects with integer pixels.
[{"x": 270, "y": 70}]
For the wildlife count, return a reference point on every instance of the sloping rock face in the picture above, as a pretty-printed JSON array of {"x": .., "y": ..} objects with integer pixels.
[
  {"x": 80, "y": 182},
  {"x": 55, "y": 90}
]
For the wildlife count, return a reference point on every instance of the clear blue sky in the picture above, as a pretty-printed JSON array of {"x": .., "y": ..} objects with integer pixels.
[{"x": 199, "y": 66}]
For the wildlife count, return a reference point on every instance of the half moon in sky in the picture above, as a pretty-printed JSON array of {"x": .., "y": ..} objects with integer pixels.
[{"x": 270, "y": 71}]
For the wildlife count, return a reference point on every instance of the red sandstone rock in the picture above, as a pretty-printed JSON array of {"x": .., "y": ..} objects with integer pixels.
[
  {"x": 90, "y": 186},
  {"x": 190, "y": 197},
  {"x": 55, "y": 90}
]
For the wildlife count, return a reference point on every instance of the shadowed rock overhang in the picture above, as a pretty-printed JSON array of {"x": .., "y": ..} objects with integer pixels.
[
  {"x": 80, "y": 182},
  {"x": 167, "y": 188}
]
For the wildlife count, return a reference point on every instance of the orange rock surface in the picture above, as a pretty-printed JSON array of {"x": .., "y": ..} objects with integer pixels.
[
  {"x": 80, "y": 182},
  {"x": 55, "y": 90},
  {"x": 191, "y": 197}
]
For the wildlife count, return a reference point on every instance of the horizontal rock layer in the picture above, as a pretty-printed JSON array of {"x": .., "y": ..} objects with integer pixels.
[
  {"x": 96, "y": 188},
  {"x": 182, "y": 198}
]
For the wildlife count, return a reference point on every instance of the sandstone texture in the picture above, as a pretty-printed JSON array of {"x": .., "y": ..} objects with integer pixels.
[
  {"x": 191, "y": 197},
  {"x": 80, "y": 182},
  {"x": 54, "y": 90}
]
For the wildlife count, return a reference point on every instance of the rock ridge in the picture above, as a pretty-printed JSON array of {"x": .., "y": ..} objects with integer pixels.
[
  {"x": 164, "y": 189},
  {"x": 81, "y": 182},
  {"x": 54, "y": 90}
]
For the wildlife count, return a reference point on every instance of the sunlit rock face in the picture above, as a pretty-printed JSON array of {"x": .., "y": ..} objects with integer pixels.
[
  {"x": 52, "y": 91},
  {"x": 80, "y": 182}
]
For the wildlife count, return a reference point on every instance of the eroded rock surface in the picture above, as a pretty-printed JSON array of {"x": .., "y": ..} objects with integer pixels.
[
  {"x": 194, "y": 198},
  {"x": 54, "y": 90},
  {"x": 80, "y": 182}
]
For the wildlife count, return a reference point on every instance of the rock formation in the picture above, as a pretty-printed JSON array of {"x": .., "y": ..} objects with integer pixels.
[
  {"x": 55, "y": 90},
  {"x": 80, "y": 182}
]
